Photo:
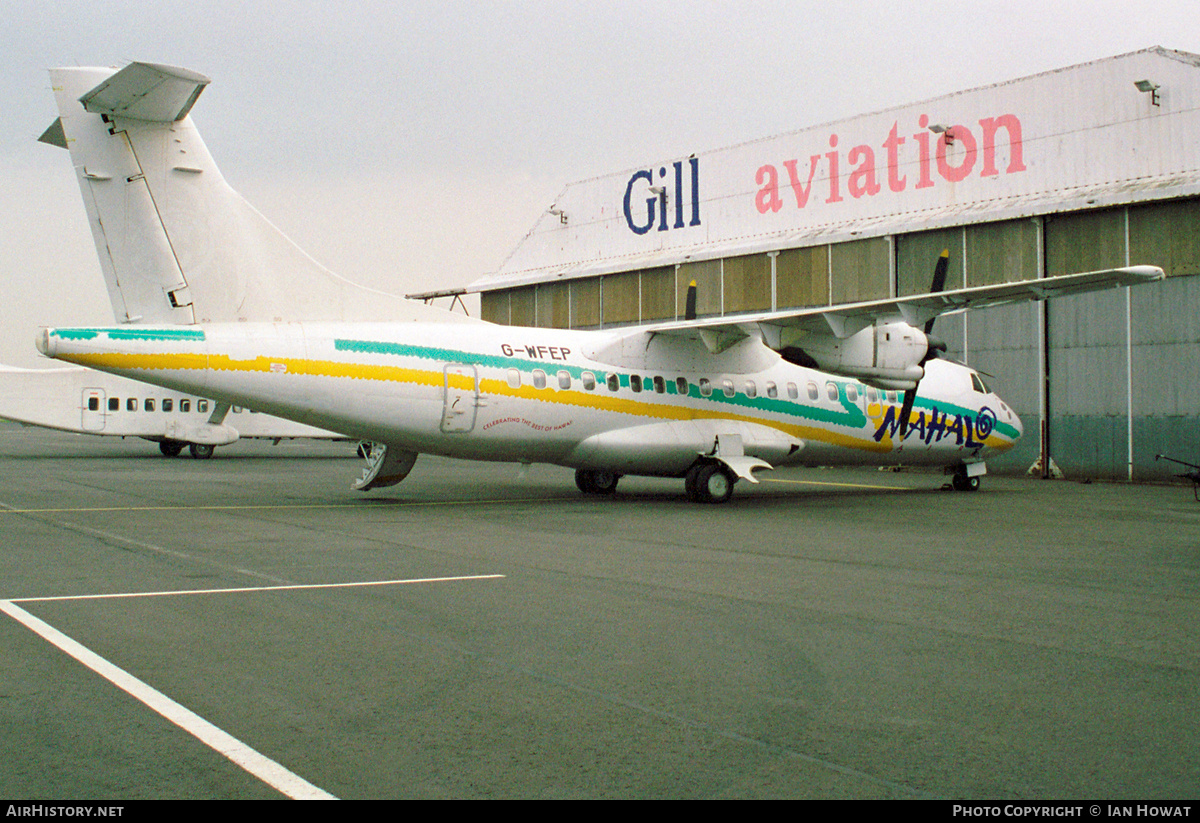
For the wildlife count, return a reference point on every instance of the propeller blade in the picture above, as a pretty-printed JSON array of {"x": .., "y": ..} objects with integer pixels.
[
  {"x": 935, "y": 345},
  {"x": 939, "y": 281},
  {"x": 906, "y": 410},
  {"x": 689, "y": 311}
]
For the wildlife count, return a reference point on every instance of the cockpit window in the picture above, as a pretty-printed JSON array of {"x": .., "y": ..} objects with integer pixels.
[{"x": 978, "y": 384}]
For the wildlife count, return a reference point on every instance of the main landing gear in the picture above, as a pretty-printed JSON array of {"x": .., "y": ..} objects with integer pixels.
[
  {"x": 709, "y": 483},
  {"x": 173, "y": 448},
  {"x": 596, "y": 481}
]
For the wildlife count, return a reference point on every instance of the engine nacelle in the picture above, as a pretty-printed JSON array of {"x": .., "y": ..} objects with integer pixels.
[{"x": 887, "y": 355}]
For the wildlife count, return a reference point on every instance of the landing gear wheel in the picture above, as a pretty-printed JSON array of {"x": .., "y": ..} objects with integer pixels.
[
  {"x": 709, "y": 483},
  {"x": 596, "y": 481},
  {"x": 200, "y": 451},
  {"x": 962, "y": 483},
  {"x": 170, "y": 448}
]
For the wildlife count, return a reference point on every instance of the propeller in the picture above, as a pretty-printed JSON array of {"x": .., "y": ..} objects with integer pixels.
[
  {"x": 935, "y": 345},
  {"x": 689, "y": 311}
]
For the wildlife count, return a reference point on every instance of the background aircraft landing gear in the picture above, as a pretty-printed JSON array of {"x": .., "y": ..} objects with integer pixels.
[
  {"x": 200, "y": 451},
  {"x": 170, "y": 448},
  {"x": 709, "y": 483},
  {"x": 591, "y": 481}
]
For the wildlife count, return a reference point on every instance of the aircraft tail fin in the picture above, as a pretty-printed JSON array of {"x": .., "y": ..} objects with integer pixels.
[{"x": 176, "y": 243}]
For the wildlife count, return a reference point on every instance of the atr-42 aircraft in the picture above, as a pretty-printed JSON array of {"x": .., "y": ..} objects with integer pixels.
[{"x": 710, "y": 401}]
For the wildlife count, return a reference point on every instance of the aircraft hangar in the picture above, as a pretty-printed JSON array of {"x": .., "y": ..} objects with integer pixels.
[{"x": 1088, "y": 167}]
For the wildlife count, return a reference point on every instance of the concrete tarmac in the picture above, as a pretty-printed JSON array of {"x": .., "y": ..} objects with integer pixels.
[{"x": 828, "y": 633}]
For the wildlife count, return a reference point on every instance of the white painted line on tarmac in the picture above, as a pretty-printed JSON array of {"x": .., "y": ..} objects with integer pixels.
[
  {"x": 259, "y": 765},
  {"x": 845, "y": 485},
  {"x": 290, "y": 587},
  {"x": 262, "y": 767}
]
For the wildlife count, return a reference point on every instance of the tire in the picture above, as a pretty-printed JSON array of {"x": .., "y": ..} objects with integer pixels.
[
  {"x": 200, "y": 451},
  {"x": 596, "y": 481},
  {"x": 714, "y": 484},
  {"x": 962, "y": 483},
  {"x": 170, "y": 448}
]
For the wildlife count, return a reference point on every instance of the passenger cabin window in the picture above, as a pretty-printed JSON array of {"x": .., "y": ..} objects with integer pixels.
[
  {"x": 681, "y": 386},
  {"x": 148, "y": 405},
  {"x": 892, "y": 397},
  {"x": 614, "y": 382},
  {"x": 812, "y": 391},
  {"x": 872, "y": 395},
  {"x": 114, "y": 404},
  {"x": 514, "y": 378},
  {"x": 93, "y": 404},
  {"x": 772, "y": 391},
  {"x": 727, "y": 387},
  {"x": 852, "y": 393},
  {"x": 705, "y": 387},
  {"x": 751, "y": 389},
  {"x": 635, "y": 382},
  {"x": 660, "y": 385},
  {"x": 564, "y": 379},
  {"x": 589, "y": 381},
  {"x": 831, "y": 391},
  {"x": 539, "y": 379},
  {"x": 793, "y": 392}
]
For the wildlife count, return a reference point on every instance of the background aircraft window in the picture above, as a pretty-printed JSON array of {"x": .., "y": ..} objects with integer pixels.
[
  {"x": 564, "y": 379},
  {"x": 614, "y": 382},
  {"x": 589, "y": 380},
  {"x": 114, "y": 404},
  {"x": 812, "y": 391},
  {"x": 852, "y": 393},
  {"x": 831, "y": 390},
  {"x": 185, "y": 405},
  {"x": 237, "y": 409},
  {"x": 635, "y": 382},
  {"x": 131, "y": 404},
  {"x": 727, "y": 387},
  {"x": 660, "y": 385},
  {"x": 201, "y": 405},
  {"x": 751, "y": 389},
  {"x": 148, "y": 405},
  {"x": 539, "y": 379},
  {"x": 93, "y": 404},
  {"x": 168, "y": 404},
  {"x": 772, "y": 390},
  {"x": 681, "y": 386},
  {"x": 793, "y": 392},
  {"x": 705, "y": 387},
  {"x": 514, "y": 378}
]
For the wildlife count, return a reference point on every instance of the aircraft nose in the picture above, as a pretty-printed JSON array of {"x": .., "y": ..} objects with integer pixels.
[{"x": 1014, "y": 420}]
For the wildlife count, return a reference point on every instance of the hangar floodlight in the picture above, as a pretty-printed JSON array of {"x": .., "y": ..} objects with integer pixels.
[
  {"x": 1148, "y": 86},
  {"x": 941, "y": 128}
]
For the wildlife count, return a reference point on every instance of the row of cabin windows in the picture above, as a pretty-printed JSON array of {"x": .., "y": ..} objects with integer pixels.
[
  {"x": 168, "y": 404},
  {"x": 658, "y": 384}
]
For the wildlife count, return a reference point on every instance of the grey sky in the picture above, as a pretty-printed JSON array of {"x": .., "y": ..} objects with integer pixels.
[{"x": 410, "y": 145}]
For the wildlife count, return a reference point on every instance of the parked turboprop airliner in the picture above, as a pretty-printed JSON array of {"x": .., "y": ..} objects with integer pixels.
[
  {"x": 710, "y": 401},
  {"x": 85, "y": 401}
]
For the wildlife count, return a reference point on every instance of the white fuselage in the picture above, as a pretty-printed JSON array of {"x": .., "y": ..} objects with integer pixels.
[
  {"x": 85, "y": 401},
  {"x": 626, "y": 401}
]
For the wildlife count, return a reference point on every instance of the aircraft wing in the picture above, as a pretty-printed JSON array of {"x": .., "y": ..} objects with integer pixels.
[{"x": 847, "y": 319}]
